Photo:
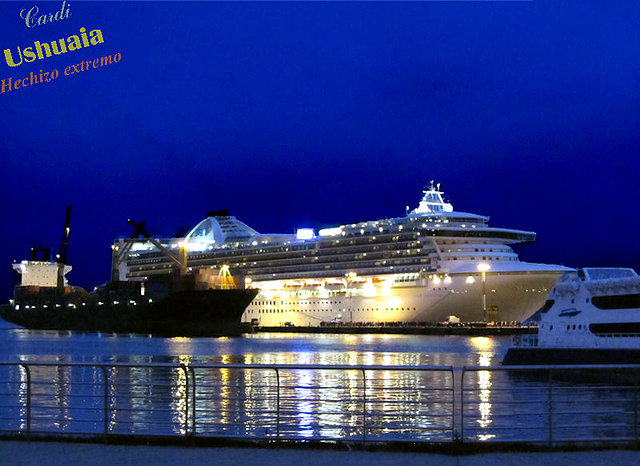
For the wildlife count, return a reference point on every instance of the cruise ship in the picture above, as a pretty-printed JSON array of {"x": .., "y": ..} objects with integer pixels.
[{"x": 431, "y": 265}]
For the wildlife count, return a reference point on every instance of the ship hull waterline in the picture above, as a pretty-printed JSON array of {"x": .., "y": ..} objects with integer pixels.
[
  {"x": 509, "y": 298},
  {"x": 206, "y": 313}
]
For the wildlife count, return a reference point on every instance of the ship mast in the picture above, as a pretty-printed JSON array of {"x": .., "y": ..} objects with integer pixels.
[{"x": 64, "y": 245}]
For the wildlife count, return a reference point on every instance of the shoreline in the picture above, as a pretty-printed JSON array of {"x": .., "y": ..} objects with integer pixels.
[
  {"x": 65, "y": 452},
  {"x": 463, "y": 330}
]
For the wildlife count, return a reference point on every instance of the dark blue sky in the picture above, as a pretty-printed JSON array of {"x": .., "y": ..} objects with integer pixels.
[{"x": 314, "y": 113}]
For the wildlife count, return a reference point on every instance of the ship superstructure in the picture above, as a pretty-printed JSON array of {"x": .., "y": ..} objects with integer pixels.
[{"x": 425, "y": 266}]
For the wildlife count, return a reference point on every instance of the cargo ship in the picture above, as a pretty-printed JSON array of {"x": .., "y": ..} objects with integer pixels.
[
  {"x": 192, "y": 304},
  {"x": 430, "y": 265}
]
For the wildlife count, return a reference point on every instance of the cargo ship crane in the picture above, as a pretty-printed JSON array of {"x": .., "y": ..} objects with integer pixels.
[
  {"x": 64, "y": 245},
  {"x": 180, "y": 258}
]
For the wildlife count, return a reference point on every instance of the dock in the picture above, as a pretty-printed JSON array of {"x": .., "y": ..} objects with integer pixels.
[{"x": 470, "y": 329}]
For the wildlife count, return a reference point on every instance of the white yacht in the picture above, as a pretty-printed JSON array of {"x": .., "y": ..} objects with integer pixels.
[
  {"x": 592, "y": 316},
  {"x": 430, "y": 264}
]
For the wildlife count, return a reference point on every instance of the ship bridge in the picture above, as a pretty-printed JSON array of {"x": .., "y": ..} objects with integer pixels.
[{"x": 432, "y": 201}]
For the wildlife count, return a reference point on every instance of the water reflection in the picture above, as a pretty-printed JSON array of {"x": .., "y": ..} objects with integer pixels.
[
  {"x": 230, "y": 401},
  {"x": 323, "y": 404},
  {"x": 485, "y": 346},
  {"x": 180, "y": 396}
]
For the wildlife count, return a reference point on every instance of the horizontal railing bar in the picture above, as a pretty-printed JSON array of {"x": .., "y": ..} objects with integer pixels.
[
  {"x": 480, "y": 431},
  {"x": 340, "y": 367},
  {"x": 147, "y": 422},
  {"x": 572, "y": 367},
  {"x": 358, "y": 367},
  {"x": 603, "y": 425}
]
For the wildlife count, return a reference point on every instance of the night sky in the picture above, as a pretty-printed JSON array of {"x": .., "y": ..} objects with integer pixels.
[{"x": 312, "y": 114}]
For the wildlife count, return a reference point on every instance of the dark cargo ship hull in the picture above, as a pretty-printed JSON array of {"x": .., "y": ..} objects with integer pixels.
[{"x": 190, "y": 313}]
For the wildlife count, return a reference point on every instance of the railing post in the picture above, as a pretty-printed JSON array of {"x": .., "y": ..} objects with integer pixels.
[
  {"x": 635, "y": 408},
  {"x": 550, "y": 407},
  {"x": 105, "y": 404},
  {"x": 453, "y": 405},
  {"x": 28, "y": 373},
  {"x": 364, "y": 405},
  {"x": 277, "y": 405},
  {"x": 461, "y": 405}
]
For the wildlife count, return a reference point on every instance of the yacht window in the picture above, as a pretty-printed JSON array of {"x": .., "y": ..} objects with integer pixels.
[
  {"x": 626, "y": 328},
  {"x": 624, "y": 301}
]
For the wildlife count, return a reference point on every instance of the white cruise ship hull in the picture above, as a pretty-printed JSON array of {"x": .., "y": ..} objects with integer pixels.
[{"x": 510, "y": 297}]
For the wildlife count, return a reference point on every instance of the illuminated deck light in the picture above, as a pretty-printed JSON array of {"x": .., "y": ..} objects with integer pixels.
[{"x": 483, "y": 267}]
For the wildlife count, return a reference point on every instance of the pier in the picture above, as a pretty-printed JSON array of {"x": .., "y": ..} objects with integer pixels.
[{"x": 398, "y": 328}]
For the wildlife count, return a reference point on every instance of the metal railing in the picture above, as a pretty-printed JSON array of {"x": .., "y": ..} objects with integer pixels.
[
  {"x": 549, "y": 405},
  {"x": 552, "y": 405}
]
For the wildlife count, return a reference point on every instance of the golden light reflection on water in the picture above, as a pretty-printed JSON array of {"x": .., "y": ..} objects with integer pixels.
[
  {"x": 484, "y": 384},
  {"x": 330, "y": 403},
  {"x": 225, "y": 391},
  {"x": 180, "y": 394},
  {"x": 482, "y": 343}
]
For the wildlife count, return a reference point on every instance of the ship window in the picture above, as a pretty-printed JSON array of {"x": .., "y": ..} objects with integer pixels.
[
  {"x": 625, "y": 301},
  {"x": 622, "y": 327}
]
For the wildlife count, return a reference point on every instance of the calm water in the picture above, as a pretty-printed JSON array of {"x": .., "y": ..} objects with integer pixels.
[
  {"x": 295, "y": 403},
  {"x": 264, "y": 348}
]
